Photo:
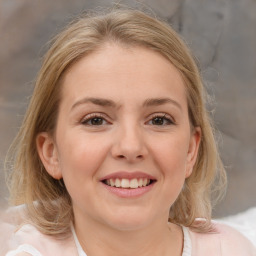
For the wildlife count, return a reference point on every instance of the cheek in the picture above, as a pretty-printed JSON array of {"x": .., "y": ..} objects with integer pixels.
[
  {"x": 171, "y": 153},
  {"x": 80, "y": 155},
  {"x": 171, "y": 157},
  {"x": 80, "y": 160}
]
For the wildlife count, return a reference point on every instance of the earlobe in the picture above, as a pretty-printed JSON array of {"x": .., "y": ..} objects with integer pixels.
[
  {"x": 193, "y": 150},
  {"x": 47, "y": 151}
]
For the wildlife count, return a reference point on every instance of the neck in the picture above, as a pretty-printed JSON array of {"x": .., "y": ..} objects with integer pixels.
[{"x": 156, "y": 239}]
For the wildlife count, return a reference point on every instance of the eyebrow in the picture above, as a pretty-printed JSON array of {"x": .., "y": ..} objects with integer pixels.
[
  {"x": 96, "y": 101},
  {"x": 109, "y": 103},
  {"x": 160, "y": 101}
]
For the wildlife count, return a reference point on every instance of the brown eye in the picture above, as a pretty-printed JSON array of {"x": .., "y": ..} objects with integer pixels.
[
  {"x": 94, "y": 121},
  {"x": 161, "y": 120},
  {"x": 158, "y": 121}
]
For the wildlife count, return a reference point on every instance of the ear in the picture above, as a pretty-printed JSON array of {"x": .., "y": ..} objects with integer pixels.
[
  {"x": 47, "y": 151},
  {"x": 193, "y": 150}
]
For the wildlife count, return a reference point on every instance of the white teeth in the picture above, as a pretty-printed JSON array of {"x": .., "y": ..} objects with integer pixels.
[
  {"x": 111, "y": 182},
  {"x": 117, "y": 183},
  {"x": 134, "y": 183},
  {"x": 126, "y": 183}
]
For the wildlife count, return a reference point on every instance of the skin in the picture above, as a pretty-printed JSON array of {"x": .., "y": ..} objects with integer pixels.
[{"x": 133, "y": 134}]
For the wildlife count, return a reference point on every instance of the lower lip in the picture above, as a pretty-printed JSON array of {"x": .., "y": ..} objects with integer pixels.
[{"x": 129, "y": 192}]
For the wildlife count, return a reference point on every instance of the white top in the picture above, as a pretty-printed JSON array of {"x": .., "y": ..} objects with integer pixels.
[
  {"x": 185, "y": 252},
  {"x": 225, "y": 241},
  {"x": 32, "y": 251}
]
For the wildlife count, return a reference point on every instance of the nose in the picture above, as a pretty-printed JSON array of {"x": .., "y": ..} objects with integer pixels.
[{"x": 129, "y": 144}]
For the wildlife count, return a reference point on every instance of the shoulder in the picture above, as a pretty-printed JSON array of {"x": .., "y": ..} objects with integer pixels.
[
  {"x": 16, "y": 237},
  {"x": 24, "y": 250},
  {"x": 244, "y": 222},
  {"x": 224, "y": 241},
  {"x": 41, "y": 244},
  {"x": 233, "y": 240}
]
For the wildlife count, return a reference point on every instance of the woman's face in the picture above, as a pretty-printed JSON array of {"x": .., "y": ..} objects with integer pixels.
[{"x": 123, "y": 143}]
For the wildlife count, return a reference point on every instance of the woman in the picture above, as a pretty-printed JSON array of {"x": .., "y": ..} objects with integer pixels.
[{"x": 116, "y": 155}]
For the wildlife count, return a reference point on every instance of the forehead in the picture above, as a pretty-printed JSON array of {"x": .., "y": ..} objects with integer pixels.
[{"x": 115, "y": 70}]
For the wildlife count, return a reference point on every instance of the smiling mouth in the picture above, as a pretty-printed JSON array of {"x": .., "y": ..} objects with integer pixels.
[{"x": 128, "y": 183}]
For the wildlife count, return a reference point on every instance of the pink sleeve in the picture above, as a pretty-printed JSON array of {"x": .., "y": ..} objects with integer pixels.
[
  {"x": 14, "y": 236},
  {"x": 43, "y": 244},
  {"x": 24, "y": 249},
  {"x": 233, "y": 242},
  {"x": 224, "y": 242}
]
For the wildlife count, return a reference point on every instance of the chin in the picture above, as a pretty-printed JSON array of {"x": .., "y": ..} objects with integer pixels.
[{"x": 129, "y": 221}]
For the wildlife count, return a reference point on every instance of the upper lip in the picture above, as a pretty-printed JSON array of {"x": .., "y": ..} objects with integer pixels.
[{"x": 128, "y": 175}]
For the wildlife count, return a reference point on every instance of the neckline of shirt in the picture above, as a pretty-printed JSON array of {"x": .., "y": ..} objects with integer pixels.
[{"x": 186, "y": 251}]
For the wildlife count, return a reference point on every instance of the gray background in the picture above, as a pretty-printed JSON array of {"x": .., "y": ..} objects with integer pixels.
[{"x": 222, "y": 35}]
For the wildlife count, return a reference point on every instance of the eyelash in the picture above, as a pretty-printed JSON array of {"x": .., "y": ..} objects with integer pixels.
[{"x": 165, "y": 119}]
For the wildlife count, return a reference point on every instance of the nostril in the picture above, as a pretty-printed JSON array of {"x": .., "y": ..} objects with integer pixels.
[{"x": 137, "y": 157}]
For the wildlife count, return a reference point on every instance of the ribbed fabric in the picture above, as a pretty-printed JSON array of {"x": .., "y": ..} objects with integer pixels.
[{"x": 187, "y": 246}]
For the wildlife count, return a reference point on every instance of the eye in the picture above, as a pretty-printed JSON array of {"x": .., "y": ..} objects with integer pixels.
[
  {"x": 94, "y": 120},
  {"x": 161, "y": 120}
]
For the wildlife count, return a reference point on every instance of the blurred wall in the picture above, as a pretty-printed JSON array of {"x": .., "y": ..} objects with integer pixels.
[{"x": 222, "y": 35}]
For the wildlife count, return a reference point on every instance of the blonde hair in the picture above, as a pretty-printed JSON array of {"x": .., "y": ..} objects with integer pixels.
[{"x": 48, "y": 202}]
